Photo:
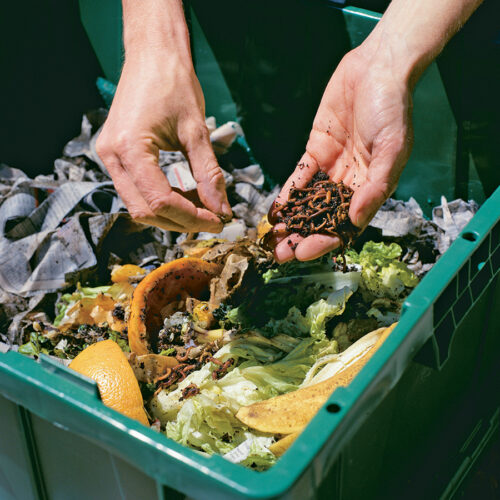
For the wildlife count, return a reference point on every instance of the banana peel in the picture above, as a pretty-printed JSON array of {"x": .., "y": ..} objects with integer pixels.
[
  {"x": 283, "y": 444},
  {"x": 290, "y": 413}
]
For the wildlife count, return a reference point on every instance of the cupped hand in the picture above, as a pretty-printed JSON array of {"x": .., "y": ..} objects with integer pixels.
[
  {"x": 159, "y": 104},
  {"x": 362, "y": 136}
]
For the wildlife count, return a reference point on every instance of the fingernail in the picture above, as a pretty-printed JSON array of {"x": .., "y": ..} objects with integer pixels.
[
  {"x": 271, "y": 214},
  {"x": 226, "y": 213},
  {"x": 226, "y": 209}
]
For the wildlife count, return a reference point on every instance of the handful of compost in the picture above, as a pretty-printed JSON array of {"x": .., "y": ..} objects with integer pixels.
[{"x": 322, "y": 207}]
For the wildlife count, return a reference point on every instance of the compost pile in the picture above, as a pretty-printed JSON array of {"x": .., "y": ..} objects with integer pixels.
[
  {"x": 71, "y": 226},
  {"x": 210, "y": 325}
]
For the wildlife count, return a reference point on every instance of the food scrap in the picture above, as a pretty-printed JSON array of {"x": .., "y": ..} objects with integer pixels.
[{"x": 206, "y": 332}]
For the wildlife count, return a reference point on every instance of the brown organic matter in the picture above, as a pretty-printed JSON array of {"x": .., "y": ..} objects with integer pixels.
[{"x": 322, "y": 207}]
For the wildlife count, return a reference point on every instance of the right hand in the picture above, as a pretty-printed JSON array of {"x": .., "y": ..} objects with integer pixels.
[
  {"x": 362, "y": 136},
  {"x": 159, "y": 104}
]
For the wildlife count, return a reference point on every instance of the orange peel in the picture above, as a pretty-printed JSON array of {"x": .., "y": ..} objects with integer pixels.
[
  {"x": 106, "y": 363},
  {"x": 171, "y": 282}
]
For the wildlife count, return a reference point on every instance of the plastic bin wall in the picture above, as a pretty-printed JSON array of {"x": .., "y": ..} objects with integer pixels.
[{"x": 412, "y": 422}]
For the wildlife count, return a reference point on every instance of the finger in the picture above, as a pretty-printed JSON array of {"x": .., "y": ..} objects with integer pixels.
[
  {"x": 274, "y": 236},
  {"x": 301, "y": 176},
  {"x": 280, "y": 232},
  {"x": 315, "y": 246},
  {"x": 206, "y": 171},
  {"x": 326, "y": 149},
  {"x": 285, "y": 249},
  {"x": 382, "y": 178},
  {"x": 162, "y": 223},
  {"x": 366, "y": 201},
  {"x": 152, "y": 184},
  {"x": 136, "y": 205}
]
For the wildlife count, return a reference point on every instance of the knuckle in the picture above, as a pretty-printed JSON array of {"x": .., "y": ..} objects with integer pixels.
[
  {"x": 123, "y": 143},
  {"x": 214, "y": 174},
  {"x": 196, "y": 131},
  {"x": 138, "y": 213},
  {"x": 386, "y": 189},
  {"x": 102, "y": 148},
  {"x": 158, "y": 203}
]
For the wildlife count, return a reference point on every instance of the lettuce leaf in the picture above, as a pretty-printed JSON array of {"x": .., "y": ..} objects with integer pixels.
[
  {"x": 293, "y": 284},
  {"x": 382, "y": 275},
  {"x": 313, "y": 322},
  {"x": 206, "y": 424},
  {"x": 318, "y": 313},
  {"x": 258, "y": 457},
  {"x": 207, "y": 421},
  {"x": 293, "y": 324}
]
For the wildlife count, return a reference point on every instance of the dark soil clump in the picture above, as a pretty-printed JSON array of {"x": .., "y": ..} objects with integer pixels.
[{"x": 322, "y": 207}]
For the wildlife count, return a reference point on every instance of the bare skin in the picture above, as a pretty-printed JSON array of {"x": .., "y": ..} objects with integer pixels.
[
  {"x": 361, "y": 134},
  {"x": 159, "y": 104}
]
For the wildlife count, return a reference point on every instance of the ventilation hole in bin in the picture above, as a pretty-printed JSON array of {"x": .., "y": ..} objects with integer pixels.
[
  {"x": 333, "y": 408},
  {"x": 469, "y": 236}
]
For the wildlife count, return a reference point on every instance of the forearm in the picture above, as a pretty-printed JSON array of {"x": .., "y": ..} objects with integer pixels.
[
  {"x": 413, "y": 32},
  {"x": 153, "y": 27}
]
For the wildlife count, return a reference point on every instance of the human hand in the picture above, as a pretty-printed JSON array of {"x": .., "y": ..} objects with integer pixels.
[
  {"x": 159, "y": 104},
  {"x": 362, "y": 136}
]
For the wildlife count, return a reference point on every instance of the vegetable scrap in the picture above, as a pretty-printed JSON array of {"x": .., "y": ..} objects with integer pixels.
[{"x": 232, "y": 353}]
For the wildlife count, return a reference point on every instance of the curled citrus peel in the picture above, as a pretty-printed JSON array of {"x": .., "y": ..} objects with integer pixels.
[
  {"x": 106, "y": 363},
  {"x": 171, "y": 282}
]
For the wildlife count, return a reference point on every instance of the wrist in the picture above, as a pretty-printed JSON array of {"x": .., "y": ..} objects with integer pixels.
[
  {"x": 158, "y": 61},
  {"x": 390, "y": 52},
  {"x": 154, "y": 28},
  {"x": 394, "y": 53}
]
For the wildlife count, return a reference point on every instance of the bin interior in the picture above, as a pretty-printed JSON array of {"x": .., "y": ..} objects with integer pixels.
[{"x": 435, "y": 309}]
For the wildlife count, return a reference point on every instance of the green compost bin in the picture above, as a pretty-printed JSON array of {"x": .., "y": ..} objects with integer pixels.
[{"x": 410, "y": 425}]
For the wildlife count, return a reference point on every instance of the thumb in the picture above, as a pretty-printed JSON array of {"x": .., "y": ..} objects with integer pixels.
[
  {"x": 206, "y": 171},
  {"x": 381, "y": 182},
  {"x": 366, "y": 201}
]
